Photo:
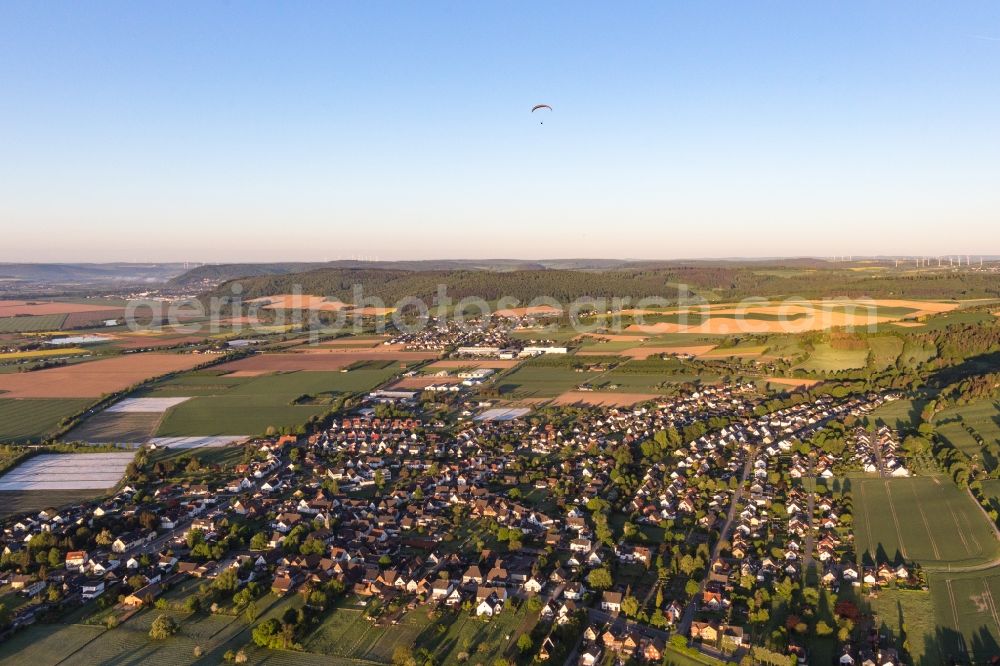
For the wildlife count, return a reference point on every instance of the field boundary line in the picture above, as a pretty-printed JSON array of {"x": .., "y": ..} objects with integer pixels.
[
  {"x": 868, "y": 524},
  {"x": 927, "y": 527},
  {"x": 988, "y": 595},
  {"x": 895, "y": 522}
]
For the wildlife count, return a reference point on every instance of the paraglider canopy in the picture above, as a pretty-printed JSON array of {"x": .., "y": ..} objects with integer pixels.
[{"x": 540, "y": 106}]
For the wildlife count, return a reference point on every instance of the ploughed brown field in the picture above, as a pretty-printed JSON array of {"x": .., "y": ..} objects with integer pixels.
[
  {"x": 26, "y": 308},
  {"x": 95, "y": 378},
  {"x": 598, "y": 399}
]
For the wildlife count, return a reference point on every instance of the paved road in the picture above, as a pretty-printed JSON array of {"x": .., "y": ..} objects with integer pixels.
[{"x": 684, "y": 627}]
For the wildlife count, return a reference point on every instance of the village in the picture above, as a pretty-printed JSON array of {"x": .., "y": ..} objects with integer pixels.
[{"x": 667, "y": 528}]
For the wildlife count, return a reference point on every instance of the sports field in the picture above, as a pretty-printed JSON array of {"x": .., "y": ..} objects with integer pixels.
[{"x": 926, "y": 519}]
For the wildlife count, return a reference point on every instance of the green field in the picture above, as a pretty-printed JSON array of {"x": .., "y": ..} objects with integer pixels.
[
  {"x": 32, "y": 419},
  {"x": 529, "y": 381},
  {"x": 825, "y": 358},
  {"x": 32, "y": 323},
  {"x": 885, "y": 349},
  {"x": 965, "y": 426},
  {"x": 926, "y": 519},
  {"x": 345, "y": 632},
  {"x": 900, "y": 414},
  {"x": 968, "y": 622},
  {"x": 249, "y": 405},
  {"x": 909, "y": 615},
  {"x": 25, "y": 501}
]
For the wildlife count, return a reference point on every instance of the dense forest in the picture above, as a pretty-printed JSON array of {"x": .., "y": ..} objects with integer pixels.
[{"x": 716, "y": 282}]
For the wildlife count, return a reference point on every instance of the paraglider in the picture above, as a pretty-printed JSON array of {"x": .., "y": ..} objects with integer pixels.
[{"x": 540, "y": 106}]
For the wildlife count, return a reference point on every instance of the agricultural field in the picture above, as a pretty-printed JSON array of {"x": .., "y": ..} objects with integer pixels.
[
  {"x": 926, "y": 519},
  {"x": 13, "y": 502},
  {"x": 530, "y": 381},
  {"x": 42, "y": 353},
  {"x": 226, "y": 405},
  {"x": 967, "y": 616},
  {"x": 95, "y": 378},
  {"x": 973, "y": 429},
  {"x": 67, "y": 471},
  {"x": 30, "y": 324},
  {"x": 884, "y": 350},
  {"x": 824, "y": 358},
  {"x": 116, "y": 427},
  {"x": 33, "y": 419},
  {"x": 910, "y": 614}
]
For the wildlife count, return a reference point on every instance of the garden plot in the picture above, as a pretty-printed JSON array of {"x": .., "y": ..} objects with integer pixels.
[{"x": 77, "y": 471}]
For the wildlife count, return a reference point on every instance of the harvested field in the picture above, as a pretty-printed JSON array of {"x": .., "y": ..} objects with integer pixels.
[
  {"x": 67, "y": 471},
  {"x": 246, "y": 373},
  {"x": 95, "y": 378},
  {"x": 371, "y": 311},
  {"x": 645, "y": 352},
  {"x": 116, "y": 428},
  {"x": 335, "y": 359},
  {"x": 793, "y": 381},
  {"x": 151, "y": 342},
  {"x": 599, "y": 399},
  {"x": 543, "y": 310},
  {"x": 907, "y": 324},
  {"x": 92, "y": 317},
  {"x": 27, "y": 308},
  {"x": 496, "y": 364},
  {"x": 299, "y": 302}
]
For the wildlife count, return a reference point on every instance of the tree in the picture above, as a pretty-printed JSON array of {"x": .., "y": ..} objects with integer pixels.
[
  {"x": 163, "y": 627},
  {"x": 524, "y": 643},
  {"x": 630, "y": 606},
  {"x": 259, "y": 541},
  {"x": 104, "y": 538},
  {"x": 600, "y": 579}
]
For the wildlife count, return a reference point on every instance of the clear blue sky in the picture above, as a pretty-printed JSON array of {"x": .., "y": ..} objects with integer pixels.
[{"x": 220, "y": 131}]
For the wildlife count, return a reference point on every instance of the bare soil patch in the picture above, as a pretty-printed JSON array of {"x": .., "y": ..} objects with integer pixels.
[
  {"x": 299, "y": 302},
  {"x": 532, "y": 310},
  {"x": 94, "y": 378},
  {"x": 598, "y": 399},
  {"x": 793, "y": 381}
]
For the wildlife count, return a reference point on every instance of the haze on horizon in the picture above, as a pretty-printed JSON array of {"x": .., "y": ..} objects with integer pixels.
[{"x": 260, "y": 132}]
